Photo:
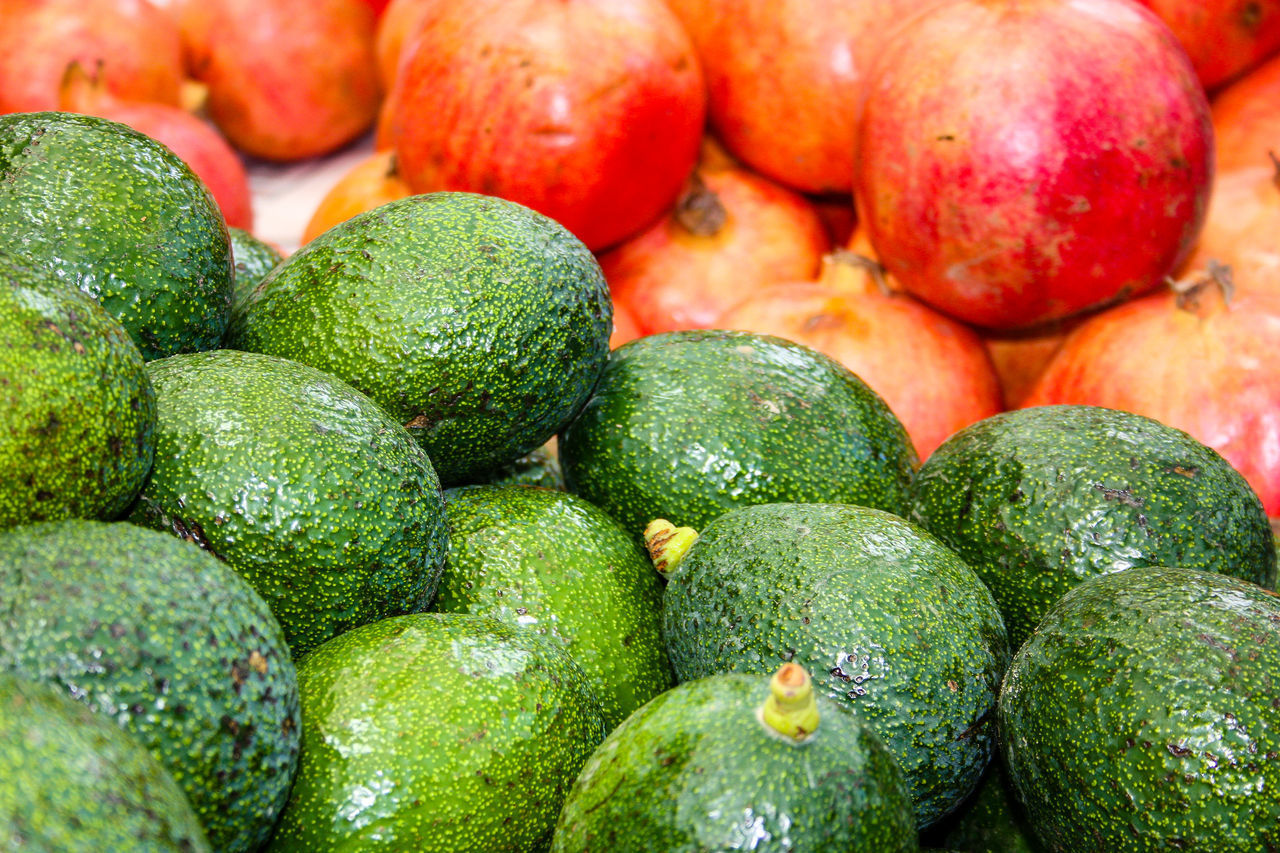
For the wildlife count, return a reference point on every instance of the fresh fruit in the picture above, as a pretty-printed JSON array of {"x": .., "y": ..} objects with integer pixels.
[
  {"x": 1246, "y": 119},
  {"x": 735, "y": 761},
  {"x": 1037, "y": 500},
  {"x": 253, "y": 259},
  {"x": 1197, "y": 357},
  {"x": 76, "y": 783},
  {"x": 120, "y": 216},
  {"x": 372, "y": 182},
  {"x": 437, "y": 732},
  {"x": 1064, "y": 165},
  {"x": 1020, "y": 358},
  {"x": 398, "y": 26},
  {"x": 300, "y": 483},
  {"x": 844, "y": 592},
  {"x": 686, "y": 425},
  {"x": 79, "y": 411},
  {"x": 589, "y": 112},
  {"x": 550, "y": 562},
  {"x": 478, "y": 323},
  {"x": 992, "y": 819},
  {"x": 1141, "y": 715},
  {"x": 287, "y": 79},
  {"x": 538, "y": 467},
  {"x": 1240, "y": 230},
  {"x": 173, "y": 646},
  {"x": 1223, "y": 38}
]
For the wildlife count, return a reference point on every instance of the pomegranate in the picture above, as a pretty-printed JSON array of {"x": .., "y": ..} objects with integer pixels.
[
  {"x": 1242, "y": 229},
  {"x": 1246, "y": 119},
  {"x": 372, "y": 182},
  {"x": 1224, "y": 38}
]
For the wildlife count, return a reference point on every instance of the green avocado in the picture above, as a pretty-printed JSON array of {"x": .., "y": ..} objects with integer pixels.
[
  {"x": 551, "y": 562},
  {"x": 991, "y": 820},
  {"x": 1142, "y": 715},
  {"x": 252, "y": 259},
  {"x": 170, "y": 643},
  {"x": 891, "y": 622},
  {"x": 686, "y": 425},
  {"x": 75, "y": 783},
  {"x": 739, "y": 762},
  {"x": 77, "y": 408},
  {"x": 538, "y": 467},
  {"x": 1037, "y": 500},
  {"x": 437, "y": 732},
  {"x": 479, "y": 324},
  {"x": 118, "y": 215},
  {"x": 301, "y": 483}
]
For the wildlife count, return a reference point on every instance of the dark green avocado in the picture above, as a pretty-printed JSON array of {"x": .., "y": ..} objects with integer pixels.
[
  {"x": 1037, "y": 500},
  {"x": 1142, "y": 715},
  {"x": 253, "y": 259},
  {"x": 77, "y": 408},
  {"x": 686, "y": 425},
  {"x": 170, "y": 643},
  {"x": 479, "y": 324},
  {"x": 118, "y": 215},
  {"x": 301, "y": 483},
  {"x": 75, "y": 783},
  {"x": 739, "y": 762}
]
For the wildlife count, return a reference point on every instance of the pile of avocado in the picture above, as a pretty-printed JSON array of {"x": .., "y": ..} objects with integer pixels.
[{"x": 379, "y": 546}]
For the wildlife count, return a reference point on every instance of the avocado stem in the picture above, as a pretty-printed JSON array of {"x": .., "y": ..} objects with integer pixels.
[
  {"x": 667, "y": 544},
  {"x": 792, "y": 708}
]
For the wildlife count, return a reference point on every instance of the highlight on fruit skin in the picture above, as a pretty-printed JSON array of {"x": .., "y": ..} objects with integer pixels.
[
  {"x": 791, "y": 709},
  {"x": 667, "y": 544}
]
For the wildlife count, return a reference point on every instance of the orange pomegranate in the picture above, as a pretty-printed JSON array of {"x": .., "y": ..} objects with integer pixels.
[
  {"x": 1242, "y": 230},
  {"x": 1246, "y": 119},
  {"x": 372, "y": 182}
]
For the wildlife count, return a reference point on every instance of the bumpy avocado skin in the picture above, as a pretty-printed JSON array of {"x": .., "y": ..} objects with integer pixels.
[
  {"x": 479, "y": 324},
  {"x": 1037, "y": 500},
  {"x": 120, "y": 216},
  {"x": 437, "y": 732},
  {"x": 695, "y": 770},
  {"x": 172, "y": 645},
  {"x": 301, "y": 483},
  {"x": 992, "y": 819},
  {"x": 75, "y": 783},
  {"x": 79, "y": 411},
  {"x": 550, "y": 562},
  {"x": 686, "y": 425},
  {"x": 1141, "y": 715},
  {"x": 889, "y": 621},
  {"x": 252, "y": 259}
]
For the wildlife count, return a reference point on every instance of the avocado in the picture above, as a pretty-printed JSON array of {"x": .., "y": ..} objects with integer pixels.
[
  {"x": 169, "y": 643},
  {"x": 79, "y": 411},
  {"x": 1038, "y": 499},
  {"x": 686, "y": 425},
  {"x": 304, "y": 485},
  {"x": 538, "y": 467},
  {"x": 75, "y": 783},
  {"x": 118, "y": 215},
  {"x": 739, "y": 762},
  {"x": 551, "y": 562},
  {"x": 891, "y": 622},
  {"x": 991, "y": 820},
  {"x": 1141, "y": 715},
  {"x": 252, "y": 259},
  {"x": 479, "y": 324},
  {"x": 437, "y": 732}
]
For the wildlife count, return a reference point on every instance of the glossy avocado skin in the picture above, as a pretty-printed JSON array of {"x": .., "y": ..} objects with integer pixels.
[
  {"x": 686, "y": 425},
  {"x": 695, "y": 770},
  {"x": 120, "y": 216},
  {"x": 251, "y": 259},
  {"x": 79, "y": 411},
  {"x": 437, "y": 732},
  {"x": 1141, "y": 715},
  {"x": 172, "y": 645},
  {"x": 301, "y": 483},
  {"x": 553, "y": 563},
  {"x": 1037, "y": 500},
  {"x": 480, "y": 325},
  {"x": 889, "y": 621},
  {"x": 75, "y": 783}
]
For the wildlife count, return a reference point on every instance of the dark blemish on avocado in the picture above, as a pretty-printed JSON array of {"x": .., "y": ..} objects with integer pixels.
[
  {"x": 1124, "y": 496},
  {"x": 1189, "y": 473},
  {"x": 1178, "y": 750}
]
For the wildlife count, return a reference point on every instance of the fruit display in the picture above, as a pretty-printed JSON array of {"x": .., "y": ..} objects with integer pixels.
[{"x": 664, "y": 425}]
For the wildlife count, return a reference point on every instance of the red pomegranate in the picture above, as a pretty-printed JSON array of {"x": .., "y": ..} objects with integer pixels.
[
  {"x": 1192, "y": 359},
  {"x": 590, "y": 112},
  {"x": 731, "y": 232},
  {"x": 1024, "y": 160},
  {"x": 1246, "y": 119},
  {"x": 1223, "y": 37}
]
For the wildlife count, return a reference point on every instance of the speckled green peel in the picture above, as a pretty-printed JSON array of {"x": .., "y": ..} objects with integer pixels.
[
  {"x": 252, "y": 259},
  {"x": 120, "y": 216},
  {"x": 1142, "y": 715},
  {"x": 75, "y": 783},
  {"x": 791, "y": 709},
  {"x": 172, "y": 645},
  {"x": 437, "y": 732},
  {"x": 550, "y": 562},
  {"x": 77, "y": 408},
  {"x": 694, "y": 771},
  {"x": 301, "y": 483},
  {"x": 890, "y": 622},
  {"x": 479, "y": 324},
  {"x": 667, "y": 544},
  {"x": 1039, "y": 499}
]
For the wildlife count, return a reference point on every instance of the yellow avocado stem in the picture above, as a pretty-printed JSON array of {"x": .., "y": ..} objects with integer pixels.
[
  {"x": 792, "y": 708},
  {"x": 667, "y": 544}
]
